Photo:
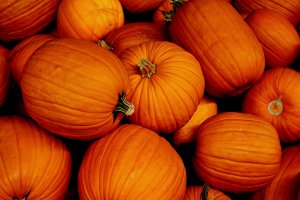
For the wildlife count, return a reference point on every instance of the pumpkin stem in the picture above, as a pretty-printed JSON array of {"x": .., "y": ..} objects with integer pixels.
[
  {"x": 177, "y": 3},
  {"x": 102, "y": 43},
  {"x": 275, "y": 107},
  {"x": 123, "y": 105},
  {"x": 204, "y": 192},
  {"x": 147, "y": 68},
  {"x": 168, "y": 16},
  {"x": 24, "y": 198}
]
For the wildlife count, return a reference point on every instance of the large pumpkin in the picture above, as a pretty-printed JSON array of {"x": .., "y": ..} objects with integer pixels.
[
  {"x": 131, "y": 163},
  {"x": 75, "y": 89},
  {"x": 276, "y": 98},
  {"x": 166, "y": 85},
  {"x": 278, "y": 36},
  {"x": 198, "y": 193},
  {"x": 34, "y": 164},
  {"x": 88, "y": 19},
  {"x": 237, "y": 152},
  {"x": 4, "y": 74},
  {"x": 23, "y": 18},
  {"x": 215, "y": 33},
  {"x": 140, "y": 6}
]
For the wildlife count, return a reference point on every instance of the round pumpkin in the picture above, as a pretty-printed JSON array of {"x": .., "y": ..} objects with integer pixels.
[
  {"x": 75, "y": 89},
  {"x": 20, "y": 54},
  {"x": 140, "y": 6},
  {"x": 88, "y": 19},
  {"x": 278, "y": 36},
  {"x": 131, "y": 163},
  {"x": 237, "y": 152},
  {"x": 276, "y": 98},
  {"x": 286, "y": 183},
  {"x": 24, "y": 18},
  {"x": 214, "y": 32},
  {"x": 166, "y": 85},
  {"x": 34, "y": 164},
  {"x": 4, "y": 74},
  {"x": 196, "y": 193}
]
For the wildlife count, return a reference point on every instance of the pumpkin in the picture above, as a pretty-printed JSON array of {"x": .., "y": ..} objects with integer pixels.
[
  {"x": 140, "y": 6},
  {"x": 207, "y": 108},
  {"x": 237, "y": 152},
  {"x": 132, "y": 163},
  {"x": 286, "y": 183},
  {"x": 279, "y": 38},
  {"x": 275, "y": 98},
  {"x": 34, "y": 164},
  {"x": 4, "y": 74},
  {"x": 20, "y": 54},
  {"x": 75, "y": 89},
  {"x": 288, "y": 8},
  {"x": 132, "y": 34},
  {"x": 231, "y": 57},
  {"x": 88, "y": 19},
  {"x": 166, "y": 85},
  {"x": 24, "y": 18},
  {"x": 197, "y": 192}
]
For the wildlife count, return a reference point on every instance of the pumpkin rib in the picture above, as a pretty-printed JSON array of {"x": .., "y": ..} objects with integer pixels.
[{"x": 68, "y": 24}]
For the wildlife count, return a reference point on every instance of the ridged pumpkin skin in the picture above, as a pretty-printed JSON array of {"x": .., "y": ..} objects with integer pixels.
[
  {"x": 34, "y": 164},
  {"x": 276, "y": 98},
  {"x": 23, "y": 18},
  {"x": 286, "y": 183},
  {"x": 72, "y": 87},
  {"x": 288, "y": 8},
  {"x": 237, "y": 152},
  {"x": 194, "y": 193},
  {"x": 278, "y": 36},
  {"x": 4, "y": 74},
  {"x": 131, "y": 163},
  {"x": 166, "y": 85},
  {"x": 230, "y": 55},
  {"x": 207, "y": 108},
  {"x": 88, "y": 19},
  {"x": 20, "y": 54},
  {"x": 163, "y": 13},
  {"x": 140, "y": 6},
  {"x": 132, "y": 34}
]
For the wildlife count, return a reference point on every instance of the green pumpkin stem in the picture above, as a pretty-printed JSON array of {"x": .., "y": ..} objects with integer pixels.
[
  {"x": 24, "y": 198},
  {"x": 168, "y": 16},
  {"x": 123, "y": 105},
  {"x": 147, "y": 68},
  {"x": 204, "y": 192},
  {"x": 276, "y": 107},
  {"x": 102, "y": 43},
  {"x": 177, "y": 3}
]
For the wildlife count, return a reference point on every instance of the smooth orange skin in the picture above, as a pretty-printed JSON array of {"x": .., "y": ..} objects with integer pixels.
[
  {"x": 131, "y": 163},
  {"x": 20, "y": 54},
  {"x": 230, "y": 55},
  {"x": 32, "y": 160},
  {"x": 23, "y": 18},
  {"x": 278, "y": 36},
  {"x": 237, "y": 152},
  {"x": 71, "y": 88},
  {"x": 4, "y": 74},
  {"x": 168, "y": 99},
  {"x": 275, "y": 83},
  {"x": 207, "y": 108},
  {"x": 88, "y": 19},
  {"x": 140, "y": 6},
  {"x": 286, "y": 183},
  {"x": 194, "y": 193}
]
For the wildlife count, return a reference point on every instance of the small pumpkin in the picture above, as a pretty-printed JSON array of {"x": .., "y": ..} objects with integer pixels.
[
  {"x": 140, "y": 6},
  {"x": 204, "y": 192},
  {"x": 4, "y": 74},
  {"x": 166, "y": 85},
  {"x": 237, "y": 152},
  {"x": 276, "y": 98},
  {"x": 132, "y": 163},
  {"x": 34, "y": 164}
]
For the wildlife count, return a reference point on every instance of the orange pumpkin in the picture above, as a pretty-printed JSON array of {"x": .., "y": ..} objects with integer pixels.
[
  {"x": 132, "y": 34},
  {"x": 140, "y": 6},
  {"x": 195, "y": 193},
  {"x": 166, "y": 85},
  {"x": 237, "y": 152},
  {"x": 88, "y": 19},
  {"x": 75, "y": 89},
  {"x": 288, "y": 8},
  {"x": 20, "y": 54},
  {"x": 4, "y": 74},
  {"x": 279, "y": 38},
  {"x": 131, "y": 163},
  {"x": 34, "y": 164},
  {"x": 207, "y": 108},
  {"x": 24, "y": 18},
  {"x": 214, "y": 32},
  {"x": 286, "y": 183},
  {"x": 276, "y": 98}
]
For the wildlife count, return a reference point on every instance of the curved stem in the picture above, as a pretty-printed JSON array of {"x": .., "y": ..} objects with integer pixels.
[
  {"x": 123, "y": 105},
  {"x": 147, "y": 68},
  {"x": 276, "y": 107},
  {"x": 102, "y": 43}
]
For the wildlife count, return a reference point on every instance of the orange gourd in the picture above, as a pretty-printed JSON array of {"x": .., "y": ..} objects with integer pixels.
[
  {"x": 131, "y": 163},
  {"x": 237, "y": 152},
  {"x": 196, "y": 193},
  {"x": 88, "y": 19},
  {"x": 230, "y": 55},
  {"x": 75, "y": 89},
  {"x": 23, "y": 18},
  {"x": 166, "y": 85},
  {"x": 34, "y": 164},
  {"x": 278, "y": 36},
  {"x": 276, "y": 98},
  {"x": 140, "y": 6},
  {"x": 4, "y": 74}
]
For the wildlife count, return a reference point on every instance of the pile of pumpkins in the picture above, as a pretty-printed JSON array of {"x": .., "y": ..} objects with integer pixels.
[{"x": 135, "y": 99}]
